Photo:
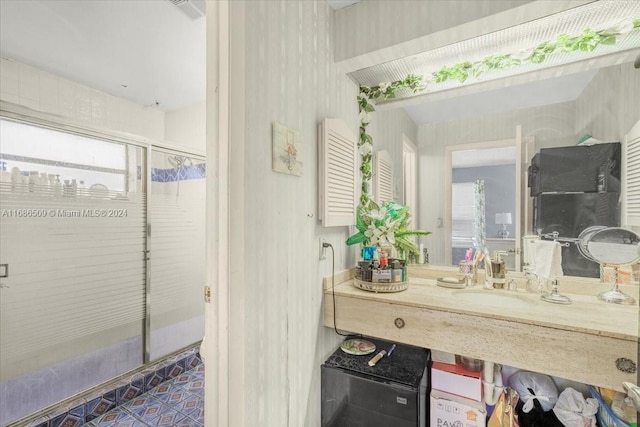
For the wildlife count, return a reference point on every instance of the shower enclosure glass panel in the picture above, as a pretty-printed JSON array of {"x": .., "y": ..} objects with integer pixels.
[
  {"x": 177, "y": 265},
  {"x": 73, "y": 238}
]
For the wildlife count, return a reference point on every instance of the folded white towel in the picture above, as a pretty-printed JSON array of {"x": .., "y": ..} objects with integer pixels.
[{"x": 548, "y": 259}]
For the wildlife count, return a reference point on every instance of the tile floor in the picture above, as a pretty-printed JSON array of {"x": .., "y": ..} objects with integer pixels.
[{"x": 176, "y": 402}]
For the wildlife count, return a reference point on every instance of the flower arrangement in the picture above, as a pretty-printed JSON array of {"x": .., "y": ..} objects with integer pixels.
[{"x": 385, "y": 225}]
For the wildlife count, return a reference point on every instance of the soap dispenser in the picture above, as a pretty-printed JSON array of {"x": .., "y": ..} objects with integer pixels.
[{"x": 498, "y": 270}]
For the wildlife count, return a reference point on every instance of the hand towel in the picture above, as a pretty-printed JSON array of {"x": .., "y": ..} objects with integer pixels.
[
  {"x": 548, "y": 260},
  {"x": 529, "y": 246}
]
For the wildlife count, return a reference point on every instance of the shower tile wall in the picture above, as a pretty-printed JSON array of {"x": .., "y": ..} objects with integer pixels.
[
  {"x": 183, "y": 173},
  {"x": 63, "y": 379},
  {"x": 185, "y": 368}
]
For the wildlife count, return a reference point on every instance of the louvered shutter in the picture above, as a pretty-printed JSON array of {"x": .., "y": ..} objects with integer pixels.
[
  {"x": 632, "y": 186},
  {"x": 382, "y": 177},
  {"x": 337, "y": 168}
]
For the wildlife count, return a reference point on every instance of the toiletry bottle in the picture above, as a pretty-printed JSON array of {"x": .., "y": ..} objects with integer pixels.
[
  {"x": 57, "y": 187},
  {"x": 66, "y": 188},
  {"x": 384, "y": 260},
  {"x": 16, "y": 180},
  {"x": 498, "y": 269},
  {"x": 34, "y": 179}
]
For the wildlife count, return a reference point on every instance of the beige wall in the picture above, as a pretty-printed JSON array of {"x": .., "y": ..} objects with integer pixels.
[
  {"x": 42, "y": 91},
  {"x": 386, "y": 129},
  {"x": 278, "y": 339},
  {"x": 186, "y": 127}
]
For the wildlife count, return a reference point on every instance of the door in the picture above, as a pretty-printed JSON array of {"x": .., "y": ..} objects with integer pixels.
[
  {"x": 177, "y": 248},
  {"x": 498, "y": 165},
  {"x": 631, "y": 190}
]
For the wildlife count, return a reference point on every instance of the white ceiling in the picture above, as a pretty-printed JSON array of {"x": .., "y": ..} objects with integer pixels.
[
  {"x": 149, "y": 46},
  {"x": 484, "y": 157},
  {"x": 527, "y": 95},
  {"x": 159, "y": 54}
]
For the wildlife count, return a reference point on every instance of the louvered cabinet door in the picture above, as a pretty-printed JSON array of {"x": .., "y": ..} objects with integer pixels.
[
  {"x": 337, "y": 173},
  {"x": 382, "y": 177},
  {"x": 631, "y": 197}
]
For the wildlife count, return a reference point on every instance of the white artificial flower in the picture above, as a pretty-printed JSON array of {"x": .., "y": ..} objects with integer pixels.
[
  {"x": 378, "y": 214},
  {"x": 383, "y": 87},
  {"x": 366, "y": 148},
  {"x": 364, "y": 117},
  {"x": 373, "y": 233}
]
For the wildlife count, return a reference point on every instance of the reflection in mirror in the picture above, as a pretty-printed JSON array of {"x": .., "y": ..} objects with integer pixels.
[
  {"x": 485, "y": 220},
  {"x": 611, "y": 247},
  {"x": 553, "y": 112}
]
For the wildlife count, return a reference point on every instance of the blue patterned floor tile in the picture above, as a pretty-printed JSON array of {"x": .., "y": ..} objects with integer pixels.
[
  {"x": 169, "y": 417},
  {"x": 196, "y": 387},
  {"x": 161, "y": 391},
  {"x": 192, "y": 361},
  {"x": 98, "y": 407},
  {"x": 174, "y": 369},
  {"x": 118, "y": 418},
  {"x": 181, "y": 379},
  {"x": 66, "y": 420},
  {"x": 188, "y": 422},
  {"x": 186, "y": 404},
  {"x": 128, "y": 392},
  {"x": 174, "y": 395},
  {"x": 153, "y": 379},
  {"x": 198, "y": 417},
  {"x": 145, "y": 408}
]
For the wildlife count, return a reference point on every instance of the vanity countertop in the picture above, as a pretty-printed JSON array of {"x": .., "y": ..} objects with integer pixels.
[{"x": 511, "y": 327}]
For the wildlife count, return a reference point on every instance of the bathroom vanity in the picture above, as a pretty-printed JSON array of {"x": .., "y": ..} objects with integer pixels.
[{"x": 583, "y": 341}]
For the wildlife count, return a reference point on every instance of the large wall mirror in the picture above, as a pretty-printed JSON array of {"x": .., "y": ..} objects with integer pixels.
[{"x": 548, "y": 112}]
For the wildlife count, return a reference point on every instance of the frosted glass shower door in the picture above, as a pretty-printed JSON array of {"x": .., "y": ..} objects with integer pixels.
[
  {"x": 72, "y": 238},
  {"x": 177, "y": 257}
]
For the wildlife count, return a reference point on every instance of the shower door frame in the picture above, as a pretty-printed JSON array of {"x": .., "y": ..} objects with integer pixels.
[{"x": 31, "y": 117}]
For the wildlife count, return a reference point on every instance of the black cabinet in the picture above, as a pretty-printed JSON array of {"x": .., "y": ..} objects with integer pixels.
[{"x": 394, "y": 392}]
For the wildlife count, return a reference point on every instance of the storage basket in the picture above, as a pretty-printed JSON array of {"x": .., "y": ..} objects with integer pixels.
[{"x": 606, "y": 417}]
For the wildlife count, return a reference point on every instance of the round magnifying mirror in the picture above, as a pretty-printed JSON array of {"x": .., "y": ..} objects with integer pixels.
[{"x": 611, "y": 247}]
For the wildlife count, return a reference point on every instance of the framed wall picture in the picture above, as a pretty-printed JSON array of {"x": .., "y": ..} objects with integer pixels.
[{"x": 286, "y": 150}]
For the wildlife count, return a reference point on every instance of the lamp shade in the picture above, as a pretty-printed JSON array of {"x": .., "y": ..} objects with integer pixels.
[{"x": 503, "y": 218}]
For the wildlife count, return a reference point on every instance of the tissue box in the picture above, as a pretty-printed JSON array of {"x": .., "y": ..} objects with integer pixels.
[
  {"x": 449, "y": 410},
  {"x": 456, "y": 380}
]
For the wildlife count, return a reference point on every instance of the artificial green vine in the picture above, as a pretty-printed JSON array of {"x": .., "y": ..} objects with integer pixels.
[
  {"x": 365, "y": 142},
  {"x": 588, "y": 41}
]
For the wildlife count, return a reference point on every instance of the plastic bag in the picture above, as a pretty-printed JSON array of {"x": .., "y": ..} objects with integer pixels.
[
  {"x": 572, "y": 409},
  {"x": 543, "y": 387},
  {"x": 504, "y": 414}
]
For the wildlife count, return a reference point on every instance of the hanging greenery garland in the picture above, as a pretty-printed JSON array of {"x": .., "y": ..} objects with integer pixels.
[{"x": 587, "y": 41}]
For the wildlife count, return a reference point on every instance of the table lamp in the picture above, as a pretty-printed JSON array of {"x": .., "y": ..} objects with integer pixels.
[{"x": 503, "y": 218}]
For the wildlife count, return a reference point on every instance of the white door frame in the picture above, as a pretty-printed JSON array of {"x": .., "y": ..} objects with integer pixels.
[
  {"x": 216, "y": 395},
  {"x": 517, "y": 142}
]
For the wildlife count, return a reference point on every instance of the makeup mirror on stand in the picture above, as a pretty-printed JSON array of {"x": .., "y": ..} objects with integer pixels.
[{"x": 611, "y": 247}]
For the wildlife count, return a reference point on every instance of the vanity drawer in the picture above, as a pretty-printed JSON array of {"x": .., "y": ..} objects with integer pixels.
[{"x": 574, "y": 355}]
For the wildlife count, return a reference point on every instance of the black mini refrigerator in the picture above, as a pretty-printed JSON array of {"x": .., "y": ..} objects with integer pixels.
[{"x": 394, "y": 392}]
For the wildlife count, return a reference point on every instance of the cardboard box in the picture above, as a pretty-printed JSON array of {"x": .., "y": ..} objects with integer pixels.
[
  {"x": 443, "y": 357},
  {"x": 456, "y": 380},
  {"x": 452, "y": 411}
]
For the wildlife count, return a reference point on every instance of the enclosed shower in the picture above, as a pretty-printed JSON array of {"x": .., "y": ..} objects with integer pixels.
[{"x": 103, "y": 261}]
